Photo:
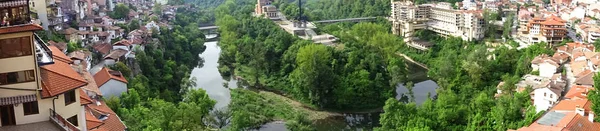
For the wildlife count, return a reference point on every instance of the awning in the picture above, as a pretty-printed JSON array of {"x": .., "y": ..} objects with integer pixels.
[{"x": 17, "y": 99}]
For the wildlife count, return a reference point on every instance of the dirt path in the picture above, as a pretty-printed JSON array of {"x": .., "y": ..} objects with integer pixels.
[{"x": 313, "y": 114}]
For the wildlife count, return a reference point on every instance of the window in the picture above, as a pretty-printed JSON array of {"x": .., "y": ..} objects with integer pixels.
[
  {"x": 544, "y": 94},
  {"x": 15, "y": 47},
  {"x": 550, "y": 95},
  {"x": 70, "y": 97},
  {"x": 17, "y": 77},
  {"x": 31, "y": 108},
  {"x": 73, "y": 120},
  {"x": 550, "y": 102}
]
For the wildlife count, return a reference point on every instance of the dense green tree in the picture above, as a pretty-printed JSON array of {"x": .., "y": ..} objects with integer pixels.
[
  {"x": 594, "y": 97},
  {"x": 313, "y": 77},
  {"x": 122, "y": 67},
  {"x": 120, "y": 12}
]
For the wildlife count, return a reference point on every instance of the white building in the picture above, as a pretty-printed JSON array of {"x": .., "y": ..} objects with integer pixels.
[
  {"x": 111, "y": 83},
  {"x": 546, "y": 65},
  {"x": 439, "y": 17},
  {"x": 544, "y": 98}
]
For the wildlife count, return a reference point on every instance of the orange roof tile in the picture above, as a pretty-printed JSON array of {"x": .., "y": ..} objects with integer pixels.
[
  {"x": 60, "y": 45},
  {"x": 537, "y": 127},
  {"x": 84, "y": 98},
  {"x": 91, "y": 120},
  {"x": 581, "y": 123},
  {"x": 79, "y": 55},
  {"x": 59, "y": 55},
  {"x": 103, "y": 48},
  {"x": 578, "y": 92},
  {"x": 20, "y": 28},
  {"x": 571, "y": 104},
  {"x": 105, "y": 75},
  {"x": 585, "y": 78},
  {"x": 91, "y": 83},
  {"x": 113, "y": 122},
  {"x": 122, "y": 42},
  {"x": 58, "y": 78}
]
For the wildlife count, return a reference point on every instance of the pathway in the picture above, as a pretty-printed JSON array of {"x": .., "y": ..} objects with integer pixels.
[
  {"x": 413, "y": 61},
  {"x": 97, "y": 67},
  {"x": 570, "y": 76}
]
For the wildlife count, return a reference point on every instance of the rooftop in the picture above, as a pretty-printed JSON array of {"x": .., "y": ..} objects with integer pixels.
[
  {"x": 59, "y": 78},
  {"x": 106, "y": 74}
]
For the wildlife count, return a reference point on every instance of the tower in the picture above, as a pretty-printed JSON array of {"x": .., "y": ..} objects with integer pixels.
[{"x": 301, "y": 15}]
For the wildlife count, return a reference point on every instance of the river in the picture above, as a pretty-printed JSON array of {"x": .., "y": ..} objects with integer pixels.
[{"x": 209, "y": 79}]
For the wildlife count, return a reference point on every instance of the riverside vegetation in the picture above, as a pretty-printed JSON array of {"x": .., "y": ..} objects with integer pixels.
[{"x": 360, "y": 73}]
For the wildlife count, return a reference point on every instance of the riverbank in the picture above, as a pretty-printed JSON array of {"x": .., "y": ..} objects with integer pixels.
[{"x": 312, "y": 114}]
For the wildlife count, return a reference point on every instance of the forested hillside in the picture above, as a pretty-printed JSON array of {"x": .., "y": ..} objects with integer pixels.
[
  {"x": 335, "y": 9},
  {"x": 161, "y": 98}
]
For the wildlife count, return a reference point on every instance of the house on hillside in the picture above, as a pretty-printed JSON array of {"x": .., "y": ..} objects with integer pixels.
[
  {"x": 115, "y": 56},
  {"x": 546, "y": 65},
  {"x": 111, "y": 83}
]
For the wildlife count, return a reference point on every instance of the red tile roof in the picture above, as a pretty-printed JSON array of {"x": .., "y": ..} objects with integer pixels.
[
  {"x": 91, "y": 120},
  {"x": 578, "y": 92},
  {"x": 59, "y": 78},
  {"x": 59, "y": 55},
  {"x": 91, "y": 83},
  {"x": 581, "y": 123},
  {"x": 60, "y": 45},
  {"x": 84, "y": 98},
  {"x": 69, "y": 31},
  {"x": 116, "y": 54},
  {"x": 123, "y": 42},
  {"x": 20, "y": 28},
  {"x": 571, "y": 104},
  {"x": 113, "y": 122},
  {"x": 103, "y": 48},
  {"x": 105, "y": 75}
]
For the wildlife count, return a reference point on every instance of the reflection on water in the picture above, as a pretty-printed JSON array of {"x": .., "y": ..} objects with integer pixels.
[
  {"x": 273, "y": 126},
  {"x": 421, "y": 91},
  {"x": 423, "y": 87},
  {"x": 209, "y": 78},
  {"x": 362, "y": 121}
]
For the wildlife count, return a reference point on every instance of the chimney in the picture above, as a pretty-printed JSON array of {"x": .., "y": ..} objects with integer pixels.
[
  {"x": 579, "y": 110},
  {"x": 591, "y": 116}
]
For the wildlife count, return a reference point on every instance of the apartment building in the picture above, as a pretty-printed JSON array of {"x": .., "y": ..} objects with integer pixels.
[
  {"x": 550, "y": 29},
  {"x": 36, "y": 84},
  {"x": 439, "y": 17},
  {"x": 48, "y": 12}
]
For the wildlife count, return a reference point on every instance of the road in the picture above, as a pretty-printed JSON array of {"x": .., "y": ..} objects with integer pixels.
[
  {"x": 570, "y": 76},
  {"x": 573, "y": 35}
]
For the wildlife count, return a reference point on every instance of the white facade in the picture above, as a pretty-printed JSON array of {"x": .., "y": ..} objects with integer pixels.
[
  {"x": 39, "y": 7},
  {"x": 544, "y": 98},
  {"x": 439, "y": 17},
  {"x": 546, "y": 69},
  {"x": 113, "y": 88},
  {"x": 109, "y": 62}
]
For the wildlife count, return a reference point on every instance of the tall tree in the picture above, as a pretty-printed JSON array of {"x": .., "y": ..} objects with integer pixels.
[{"x": 313, "y": 77}]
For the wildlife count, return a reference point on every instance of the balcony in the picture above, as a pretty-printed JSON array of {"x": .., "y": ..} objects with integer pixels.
[
  {"x": 62, "y": 122},
  {"x": 16, "y": 13},
  {"x": 55, "y": 21},
  {"x": 42, "y": 52}
]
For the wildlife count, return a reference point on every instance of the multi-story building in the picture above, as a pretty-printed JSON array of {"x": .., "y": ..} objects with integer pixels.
[
  {"x": 438, "y": 17},
  {"x": 551, "y": 30},
  {"x": 259, "y": 10},
  {"x": 48, "y": 12},
  {"x": 37, "y": 85}
]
